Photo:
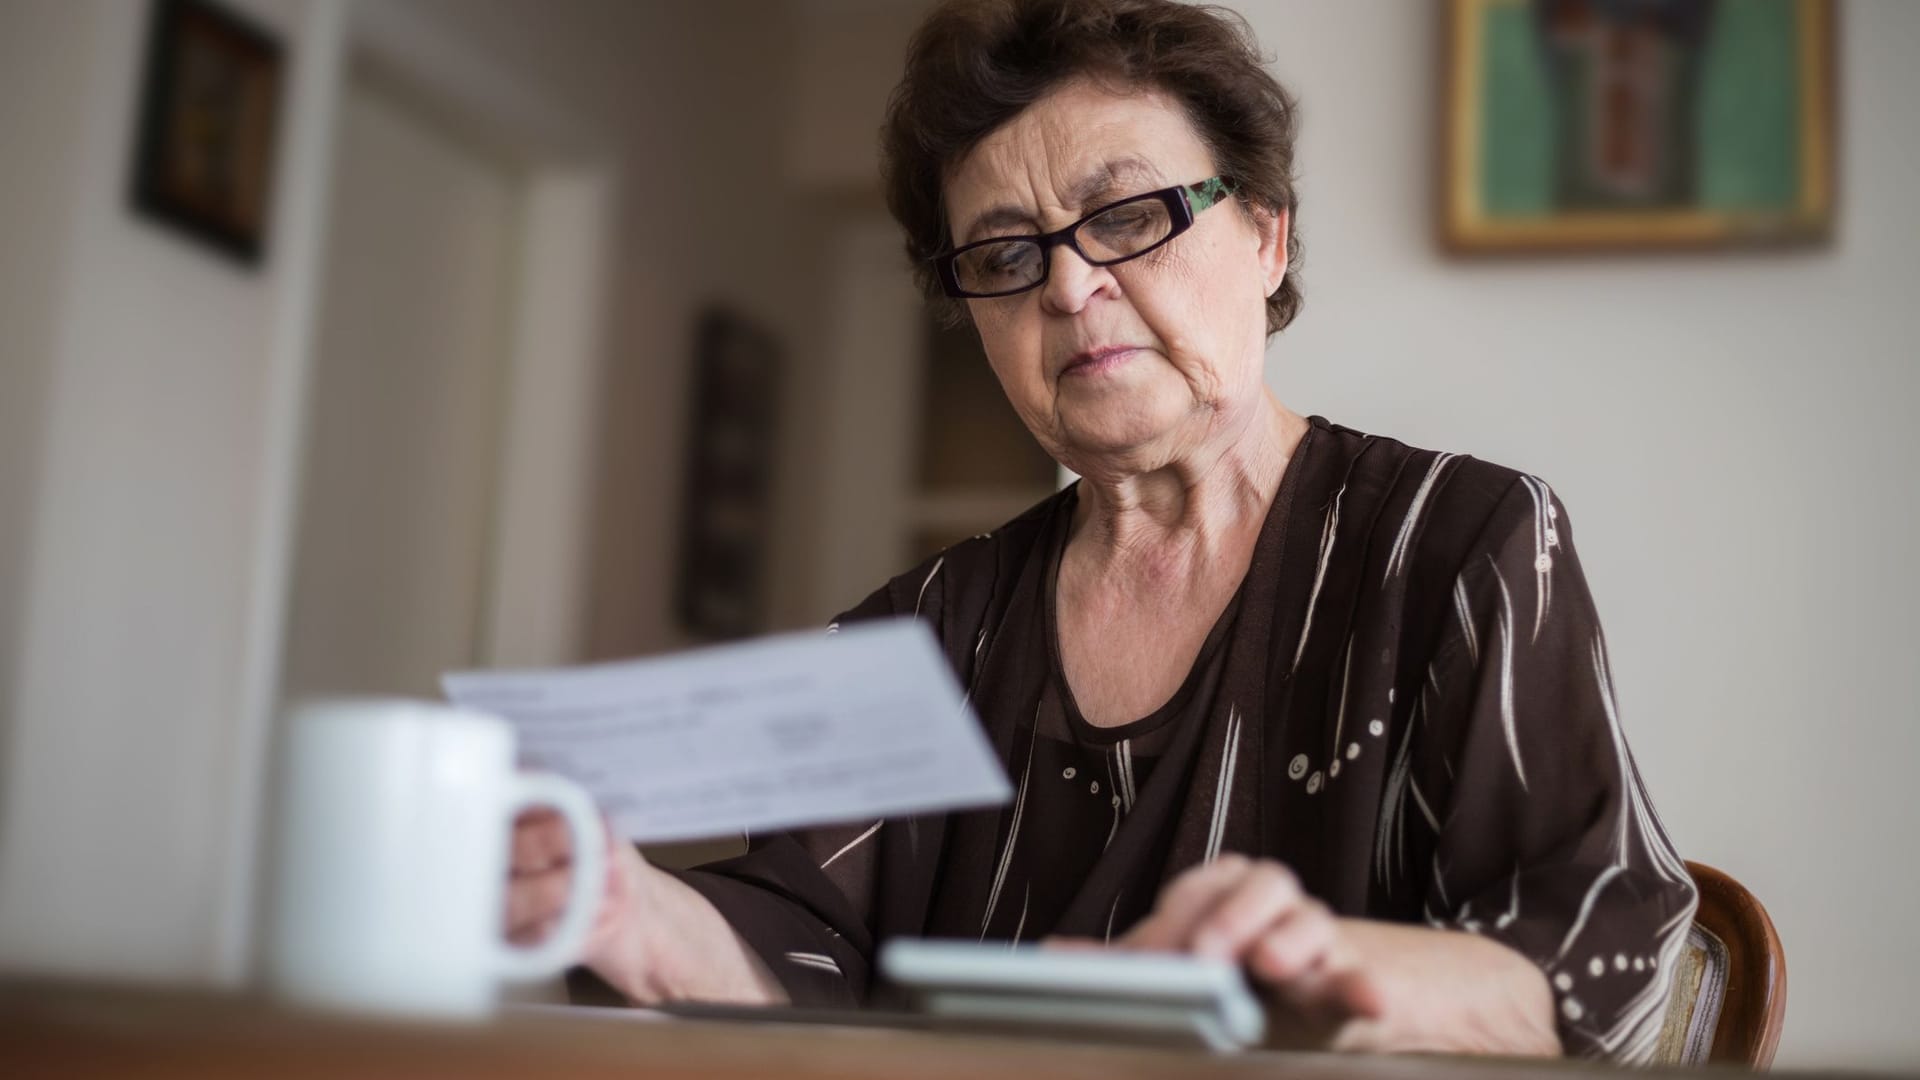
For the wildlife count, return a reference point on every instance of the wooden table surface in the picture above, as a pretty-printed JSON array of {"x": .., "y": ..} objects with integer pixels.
[{"x": 73, "y": 1031}]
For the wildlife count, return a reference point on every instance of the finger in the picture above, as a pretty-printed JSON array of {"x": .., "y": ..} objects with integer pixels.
[
  {"x": 536, "y": 817},
  {"x": 1335, "y": 995},
  {"x": 1360, "y": 993},
  {"x": 1185, "y": 902},
  {"x": 1342, "y": 1013},
  {"x": 1262, "y": 898},
  {"x": 536, "y": 834},
  {"x": 532, "y": 934},
  {"x": 541, "y": 841},
  {"x": 1308, "y": 963},
  {"x": 1072, "y": 944},
  {"x": 1294, "y": 945},
  {"x": 536, "y": 898}
]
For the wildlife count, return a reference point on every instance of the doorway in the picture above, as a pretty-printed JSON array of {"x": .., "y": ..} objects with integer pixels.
[{"x": 393, "y": 546}]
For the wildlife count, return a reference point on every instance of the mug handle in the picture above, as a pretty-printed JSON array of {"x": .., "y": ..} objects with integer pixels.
[{"x": 561, "y": 950}]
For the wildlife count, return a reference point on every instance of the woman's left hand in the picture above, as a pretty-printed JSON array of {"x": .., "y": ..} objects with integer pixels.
[
  {"x": 1349, "y": 984},
  {"x": 1254, "y": 913}
]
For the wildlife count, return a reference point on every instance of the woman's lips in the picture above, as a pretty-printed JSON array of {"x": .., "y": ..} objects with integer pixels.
[{"x": 1098, "y": 361}]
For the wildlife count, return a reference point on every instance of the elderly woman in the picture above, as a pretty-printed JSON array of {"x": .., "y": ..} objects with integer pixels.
[{"x": 1271, "y": 689}]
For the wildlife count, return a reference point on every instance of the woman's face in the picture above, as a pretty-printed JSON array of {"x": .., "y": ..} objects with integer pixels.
[{"x": 1126, "y": 368}]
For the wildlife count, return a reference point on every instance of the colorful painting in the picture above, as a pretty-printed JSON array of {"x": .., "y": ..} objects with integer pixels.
[{"x": 1621, "y": 124}]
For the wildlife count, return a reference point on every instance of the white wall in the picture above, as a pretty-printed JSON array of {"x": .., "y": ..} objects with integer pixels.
[
  {"x": 1732, "y": 435},
  {"x": 39, "y": 122},
  {"x": 128, "y": 744},
  {"x": 846, "y": 59}
]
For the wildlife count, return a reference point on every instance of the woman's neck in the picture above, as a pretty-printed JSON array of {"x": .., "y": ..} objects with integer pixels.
[{"x": 1200, "y": 505}]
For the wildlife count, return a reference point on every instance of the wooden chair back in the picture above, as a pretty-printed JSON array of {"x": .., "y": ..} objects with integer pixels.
[{"x": 1730, "y": 984}]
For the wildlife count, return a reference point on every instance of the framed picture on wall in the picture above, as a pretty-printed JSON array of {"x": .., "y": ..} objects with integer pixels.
[
  {"x": 727, "y": 502},
  {"x": 1582, "y": 125},
  {"x": 209, "y": 111}
]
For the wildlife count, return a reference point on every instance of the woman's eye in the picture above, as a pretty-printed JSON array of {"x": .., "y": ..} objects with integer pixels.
[
  {"x": 1124, "y": 224},
  {"x": 1014, "y": 259}
]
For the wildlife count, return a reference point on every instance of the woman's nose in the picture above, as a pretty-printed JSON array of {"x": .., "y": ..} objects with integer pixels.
[{"x": 1072, "y": 281}]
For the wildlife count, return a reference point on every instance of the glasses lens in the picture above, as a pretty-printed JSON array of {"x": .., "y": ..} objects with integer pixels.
[
  {"x": 998, "y": 268},
  {"x": 1125, "y": 230}
]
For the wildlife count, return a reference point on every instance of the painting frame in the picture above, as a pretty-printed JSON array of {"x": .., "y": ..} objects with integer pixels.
[
  {"x": 722, "y": 589},
  {"x": 209, "y": 119},
  {"x": 1466, "y": 225}
]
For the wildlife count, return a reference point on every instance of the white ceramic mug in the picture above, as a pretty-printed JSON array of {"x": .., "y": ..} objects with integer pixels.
[{"x": 391, "y": 859}]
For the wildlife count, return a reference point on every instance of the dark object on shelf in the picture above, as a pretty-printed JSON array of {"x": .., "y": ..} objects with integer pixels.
[
  {"x": 209, "y": 113},
  {"x": 727, "y": 504},
  {"x": 970, "y": 437}
]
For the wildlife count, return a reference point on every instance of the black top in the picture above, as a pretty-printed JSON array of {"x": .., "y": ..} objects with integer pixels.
[{"x": 1407, "y": 702}]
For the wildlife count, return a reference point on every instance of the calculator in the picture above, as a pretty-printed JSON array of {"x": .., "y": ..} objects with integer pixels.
[{"x": 1155, "y": 998}]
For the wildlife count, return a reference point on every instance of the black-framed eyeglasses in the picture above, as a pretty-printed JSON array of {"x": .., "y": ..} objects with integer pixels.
[{"x": 1119, "y": 231}]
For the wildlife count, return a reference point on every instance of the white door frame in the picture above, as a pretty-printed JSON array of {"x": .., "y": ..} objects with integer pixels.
[
  {"x": 535, "y": 603},
  {"x": 535, "y": 607},
  {"x": 873, "y": 370}
]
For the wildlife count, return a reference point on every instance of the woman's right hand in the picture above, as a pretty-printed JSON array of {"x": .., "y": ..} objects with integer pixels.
[
  {"x": 655, "y": 939},
  {"x": 540, "y": 882}
]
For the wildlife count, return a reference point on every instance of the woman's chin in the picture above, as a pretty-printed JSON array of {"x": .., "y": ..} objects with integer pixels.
[{"x": 1118, "y": 442}]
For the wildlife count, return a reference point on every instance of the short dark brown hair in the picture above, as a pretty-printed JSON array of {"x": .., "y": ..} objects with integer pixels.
[{"x": 975, "y": 64}]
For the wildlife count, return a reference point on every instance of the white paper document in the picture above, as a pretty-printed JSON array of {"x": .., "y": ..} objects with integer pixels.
[{"x": 800, "y": 729}]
